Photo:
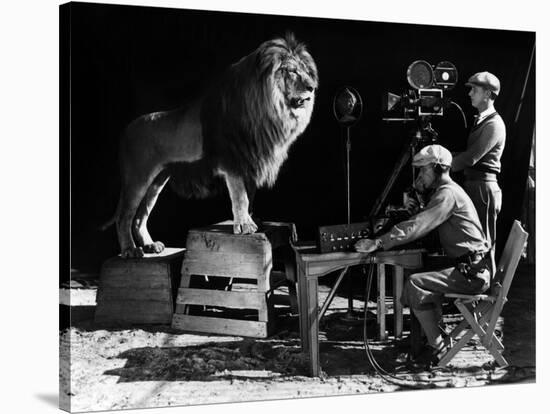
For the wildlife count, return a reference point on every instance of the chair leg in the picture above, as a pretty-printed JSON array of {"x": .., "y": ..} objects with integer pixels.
[
  {"x": 476, "y": 321},
  {"x": 458, "y": 329},
  {"x": 496, "y": 342},
  {"x": 493, "y": 347},
  {"x": 485, "y": 315},
  {"x": 497, "y": 355},
  {"x": 473, "y": 327},
  {"x": 471, "y": 320},
  {"x": 490, "y": 340},
  {"x": 482, "y": 308},
  {"x": 456, "y": 347},
  {"x": 459, "y": 343}
]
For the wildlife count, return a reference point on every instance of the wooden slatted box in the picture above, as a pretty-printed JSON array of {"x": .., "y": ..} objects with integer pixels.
[
  {"x": 215, "y": 251},
  {"x": 139, "y": 291}
]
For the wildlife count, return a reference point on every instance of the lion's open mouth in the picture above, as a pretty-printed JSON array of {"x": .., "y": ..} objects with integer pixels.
[{"x": 299, "y": 101}]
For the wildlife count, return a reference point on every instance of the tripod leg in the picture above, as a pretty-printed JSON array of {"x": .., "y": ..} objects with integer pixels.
[{"x": 403, "y": 159}]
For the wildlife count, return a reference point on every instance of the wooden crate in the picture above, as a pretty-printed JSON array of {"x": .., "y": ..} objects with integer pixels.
[
  {"x": 215, "y": 251},
  {"x": 139, "y": 291}
]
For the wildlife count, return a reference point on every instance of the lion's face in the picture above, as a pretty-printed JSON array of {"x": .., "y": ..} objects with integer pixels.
[
  {"x": 296, "y": 84},
  {"x": 291, "y": 76}
]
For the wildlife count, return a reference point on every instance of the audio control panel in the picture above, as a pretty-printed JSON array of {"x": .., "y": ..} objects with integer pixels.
[{"x": 342, "y": 237}]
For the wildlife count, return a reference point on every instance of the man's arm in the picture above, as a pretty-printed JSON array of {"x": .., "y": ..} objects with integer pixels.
[
  {"x": 490, "y": 136},
  {"x": 438, "y": 210}
]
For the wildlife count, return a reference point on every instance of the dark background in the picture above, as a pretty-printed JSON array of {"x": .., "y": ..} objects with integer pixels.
[{"x": 119, "y": 62}]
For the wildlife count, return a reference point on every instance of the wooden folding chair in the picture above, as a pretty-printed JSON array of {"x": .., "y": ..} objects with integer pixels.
[{"x": 481, "y": 312}]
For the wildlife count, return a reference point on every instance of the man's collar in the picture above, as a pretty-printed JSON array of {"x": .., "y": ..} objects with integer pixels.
[
  {"x": 443, "y": 180},
  {"x": 485, "y": 113}
]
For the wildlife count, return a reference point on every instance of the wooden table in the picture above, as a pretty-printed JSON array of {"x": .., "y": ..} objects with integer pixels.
[{"x": 311, "y": 266}]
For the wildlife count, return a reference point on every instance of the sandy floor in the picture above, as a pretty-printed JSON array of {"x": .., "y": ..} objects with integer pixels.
[{"x": 155, "y": 366}]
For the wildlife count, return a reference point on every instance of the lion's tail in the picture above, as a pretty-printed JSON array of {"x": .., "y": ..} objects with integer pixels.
[
  {"x": 108, "y": 223},
  {"x": 112, "y": 220}
]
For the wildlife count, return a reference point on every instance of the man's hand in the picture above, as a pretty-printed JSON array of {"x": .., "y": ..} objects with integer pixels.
[
  {"x": 366, "y": 245},
  {"x": 412, "y": 206}
]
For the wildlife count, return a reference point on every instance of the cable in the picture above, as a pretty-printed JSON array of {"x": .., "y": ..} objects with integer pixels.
[{"x": 462, "y": 112}]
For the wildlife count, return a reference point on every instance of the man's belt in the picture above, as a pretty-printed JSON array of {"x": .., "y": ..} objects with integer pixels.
[
  {"x": 467, "y": 264},
  {"x": 485, "y": 169},
  {"x": 471, "y": 258}
]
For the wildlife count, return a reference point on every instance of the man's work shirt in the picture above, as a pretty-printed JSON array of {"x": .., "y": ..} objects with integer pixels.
[
  {"x": 453, "y": 214},
  {"x": 481, "y": 160}
]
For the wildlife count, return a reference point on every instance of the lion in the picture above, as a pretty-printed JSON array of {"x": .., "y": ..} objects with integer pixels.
[{"x": 237, "y": 132}]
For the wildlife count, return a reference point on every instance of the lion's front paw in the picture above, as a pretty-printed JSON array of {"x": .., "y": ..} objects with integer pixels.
[
  {"x": 155, "y": 247},
  {"x": 247, "y": 226},
  {"x": 132, "y": 253}
]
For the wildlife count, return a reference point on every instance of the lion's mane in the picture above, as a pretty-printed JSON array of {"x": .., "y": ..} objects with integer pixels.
[{"x": 247, "y": 119}]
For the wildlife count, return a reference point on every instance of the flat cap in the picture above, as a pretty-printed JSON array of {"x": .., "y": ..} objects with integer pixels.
[
  {"x": 485, "y": 79},
  {"x": 432, "y": 154}
]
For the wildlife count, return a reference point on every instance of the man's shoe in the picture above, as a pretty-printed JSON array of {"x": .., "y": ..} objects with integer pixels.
[
  {"x": 404, "y": 344},
  {"x": 427, "y": 358}
]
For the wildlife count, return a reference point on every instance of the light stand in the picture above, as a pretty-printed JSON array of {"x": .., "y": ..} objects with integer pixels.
[
  {"x": 348, "y": 152},
  {"x": 351, "y": 315},
  {"x": 348, "y": 108}
]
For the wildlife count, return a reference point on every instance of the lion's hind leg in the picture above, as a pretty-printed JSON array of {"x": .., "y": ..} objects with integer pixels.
[
  {"x": 141, "y": 234},
  {"x": 129, "y": 201},
  {"x": 133, "y": 192}
]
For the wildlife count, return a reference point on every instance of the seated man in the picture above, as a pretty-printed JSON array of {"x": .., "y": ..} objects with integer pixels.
[{"x": 453, "y": 214}]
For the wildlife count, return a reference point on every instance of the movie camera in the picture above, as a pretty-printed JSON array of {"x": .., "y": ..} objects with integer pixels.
[{"x": 426, "y": 98}]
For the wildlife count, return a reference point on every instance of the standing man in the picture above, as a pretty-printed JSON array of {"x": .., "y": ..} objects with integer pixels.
[
  {"x": 453, "y": 214},
  {"x": 481, "y": 160}
]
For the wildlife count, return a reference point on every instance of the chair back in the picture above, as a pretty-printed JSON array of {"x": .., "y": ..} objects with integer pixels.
[
  {"x": 506, "y": 269},
  {"x": 510, "y": 258}
]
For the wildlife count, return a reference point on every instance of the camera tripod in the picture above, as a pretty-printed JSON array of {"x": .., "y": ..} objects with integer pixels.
[{"x": 422, "y": 135}]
